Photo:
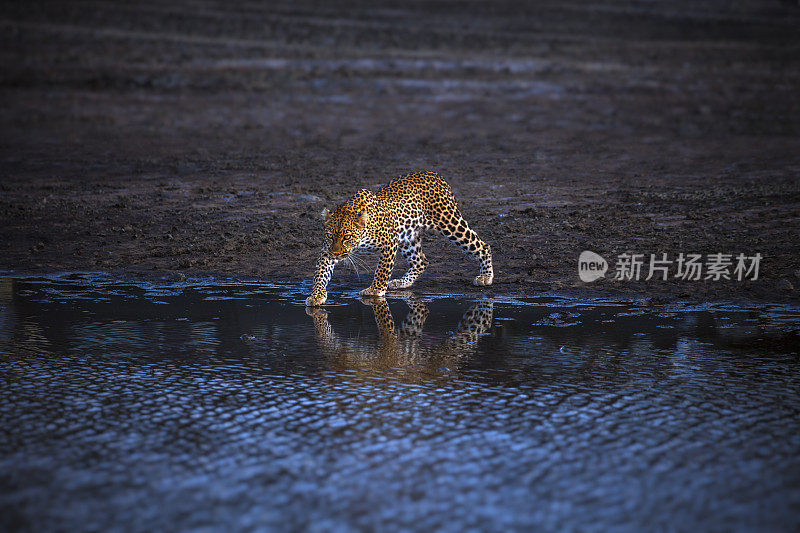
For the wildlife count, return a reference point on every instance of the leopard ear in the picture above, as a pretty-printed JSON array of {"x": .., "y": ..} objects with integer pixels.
[
  {"x": 364, "y": 217},
  {"x": 325, "y": 214}
]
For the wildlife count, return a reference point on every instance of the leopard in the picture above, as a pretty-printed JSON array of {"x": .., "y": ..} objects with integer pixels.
[{"x": 394, "y": 218}]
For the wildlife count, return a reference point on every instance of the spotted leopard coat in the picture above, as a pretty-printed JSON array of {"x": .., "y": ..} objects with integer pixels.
[{"x": 393, "y": 219}]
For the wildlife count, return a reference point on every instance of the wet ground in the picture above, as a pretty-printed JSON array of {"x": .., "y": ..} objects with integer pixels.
[
  {"x": 193, "y": 136},
  {"x": 219, "y": 402}
]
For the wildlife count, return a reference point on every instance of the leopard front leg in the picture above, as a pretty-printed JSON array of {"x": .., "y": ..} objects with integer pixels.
[
  {"x": 383, "y": 271},
  {"x": 411, "y": 250},
  {"x": 322, "y": 276}
]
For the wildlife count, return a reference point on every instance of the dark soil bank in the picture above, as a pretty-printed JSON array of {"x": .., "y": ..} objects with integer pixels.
[{"x": 201, "y": 136}]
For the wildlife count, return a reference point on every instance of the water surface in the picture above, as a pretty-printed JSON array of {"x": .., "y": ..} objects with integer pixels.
[{"x": 219, "y": 403}]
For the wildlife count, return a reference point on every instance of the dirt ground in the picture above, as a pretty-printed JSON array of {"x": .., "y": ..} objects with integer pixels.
[{"x": 200, "y": 136}]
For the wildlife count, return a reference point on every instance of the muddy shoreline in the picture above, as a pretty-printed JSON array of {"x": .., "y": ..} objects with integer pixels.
[{"x": 188, "y": 139}]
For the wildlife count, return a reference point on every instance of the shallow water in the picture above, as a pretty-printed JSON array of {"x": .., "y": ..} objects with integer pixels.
[{"x": 218, "y": 403}]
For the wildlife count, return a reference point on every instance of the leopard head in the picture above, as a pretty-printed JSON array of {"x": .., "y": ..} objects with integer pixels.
[{"x": 343, "y": 229}]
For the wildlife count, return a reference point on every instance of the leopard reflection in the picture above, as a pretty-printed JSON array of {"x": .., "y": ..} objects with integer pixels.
[{"x": 401, "y": 347}]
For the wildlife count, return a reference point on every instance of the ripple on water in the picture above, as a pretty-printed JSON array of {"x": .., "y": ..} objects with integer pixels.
[{"x": 227, "y": 404}]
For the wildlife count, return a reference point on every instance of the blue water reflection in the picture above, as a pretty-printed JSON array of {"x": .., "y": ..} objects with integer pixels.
[{"x": 221, "y": 403}]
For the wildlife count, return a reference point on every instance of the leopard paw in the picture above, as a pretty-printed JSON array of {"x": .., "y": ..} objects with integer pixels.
[
  {"x": 483, "y": 280},
  {"x": 399, "y": 284},
  {"x": 316, "y": 300},
  {"x": 371, "y": 292}
]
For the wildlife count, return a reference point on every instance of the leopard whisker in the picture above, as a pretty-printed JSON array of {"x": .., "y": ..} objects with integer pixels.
[
  {"x": 354, "y": 267},
  {"x": 356, "y": 257},
  {"x": 360, "y": 262},
  {"x": 359, "y": 254}
]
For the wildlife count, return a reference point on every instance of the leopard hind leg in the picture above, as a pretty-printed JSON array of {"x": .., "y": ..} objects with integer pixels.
[
  {"x": 455, "y": 228},
  {"x": 411, "y": 250}
]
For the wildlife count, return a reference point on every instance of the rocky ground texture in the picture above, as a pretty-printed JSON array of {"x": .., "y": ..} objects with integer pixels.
[{"x": 200, "y": 136}]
